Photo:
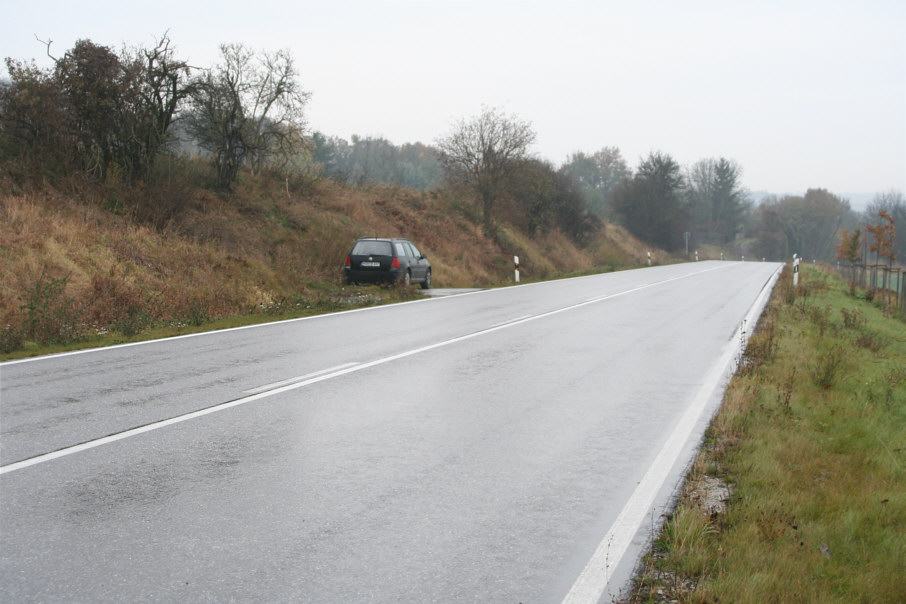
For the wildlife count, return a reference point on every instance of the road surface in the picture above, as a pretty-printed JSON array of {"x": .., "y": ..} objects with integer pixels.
[{"x": 507, "y": 445}]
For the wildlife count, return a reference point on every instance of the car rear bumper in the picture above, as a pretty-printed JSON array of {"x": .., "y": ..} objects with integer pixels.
[{"x": 361, "y": 276}]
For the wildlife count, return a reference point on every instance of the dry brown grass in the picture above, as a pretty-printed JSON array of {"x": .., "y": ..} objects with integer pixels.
[{"x": 616, "y": 247}]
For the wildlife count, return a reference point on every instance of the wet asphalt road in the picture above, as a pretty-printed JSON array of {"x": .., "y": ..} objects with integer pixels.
[{"x": 468, "y": 448}]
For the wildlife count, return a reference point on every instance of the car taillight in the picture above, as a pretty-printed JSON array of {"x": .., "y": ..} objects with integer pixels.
[
  {"x": 348, "y": 262},
  {"x": 395, "y": 263}
]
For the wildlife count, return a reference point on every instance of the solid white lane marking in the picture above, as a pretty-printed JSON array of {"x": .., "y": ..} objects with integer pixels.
[
  {"x": 595, "y": 577},
  {"x": 169, "y": 422},
  {"x": 300, "y": 378},
  {"x": 508, "y": 322},
  {"x": 313, "y": 380}
]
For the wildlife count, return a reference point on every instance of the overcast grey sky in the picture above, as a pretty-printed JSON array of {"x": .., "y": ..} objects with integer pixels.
[{"x": 801, "y": 94}]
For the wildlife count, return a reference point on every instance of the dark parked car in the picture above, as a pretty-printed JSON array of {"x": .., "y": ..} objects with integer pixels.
[{"x": 387, "y": 260}]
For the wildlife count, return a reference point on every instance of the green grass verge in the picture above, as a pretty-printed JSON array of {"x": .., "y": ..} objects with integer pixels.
[{"x": 811, "y": 442}]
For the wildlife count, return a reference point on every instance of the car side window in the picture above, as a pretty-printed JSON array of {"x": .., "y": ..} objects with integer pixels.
[
  {"x": 413, "y": 249},
  {"x": 401, "y": 250}
]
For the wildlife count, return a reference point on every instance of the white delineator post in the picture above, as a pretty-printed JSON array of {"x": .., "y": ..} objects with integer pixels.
[
  {"x": 516, "y": 264},
  {"x": 649, "y": 258},
  {"x": 795, "y": 271}
]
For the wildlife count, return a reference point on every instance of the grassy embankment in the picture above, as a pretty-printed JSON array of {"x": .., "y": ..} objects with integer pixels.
[
  {"x": 811, "y": 444},
  {"x": 87, "y": 265}
]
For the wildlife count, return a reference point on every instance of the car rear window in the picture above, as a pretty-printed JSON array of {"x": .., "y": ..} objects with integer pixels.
[{"x": 372, "y": 248}]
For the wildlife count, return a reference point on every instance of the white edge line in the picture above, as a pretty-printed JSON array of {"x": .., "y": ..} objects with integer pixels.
[
  {"x": 220, "y": 331},
  {"x": 595, "y": 577},
  {"x": 278, "y": 390},
  {"x": 325, "y": 315},
  {"x": 297, "y": 319}
]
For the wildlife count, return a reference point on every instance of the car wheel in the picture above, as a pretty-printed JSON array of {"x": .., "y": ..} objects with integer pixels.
[
  {"x": 426, "y": 284},
  {"x": 407, "y": 279}
]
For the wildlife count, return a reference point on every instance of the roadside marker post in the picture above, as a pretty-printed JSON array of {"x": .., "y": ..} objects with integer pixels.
[
  {"x": 516, "y": 263},
  {"x": 649, "y": 258},
  {"x": 795, "y": 271}
]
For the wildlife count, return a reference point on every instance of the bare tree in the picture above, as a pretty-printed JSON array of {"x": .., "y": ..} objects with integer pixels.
[
  {"x": 483, "y": 152},
  {"x": 276, "y": 109},
  {"x": 248, "y": 110},
  {"x": 163, "y": 85}
]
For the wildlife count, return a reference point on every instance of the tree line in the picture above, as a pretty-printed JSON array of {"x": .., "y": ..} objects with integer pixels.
[
  {"x": 111, "y": 116},
  {"x": 705, "y": 204}
]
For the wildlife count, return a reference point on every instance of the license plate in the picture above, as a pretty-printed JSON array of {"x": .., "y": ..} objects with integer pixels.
[{"x": 371, "y": 263}]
